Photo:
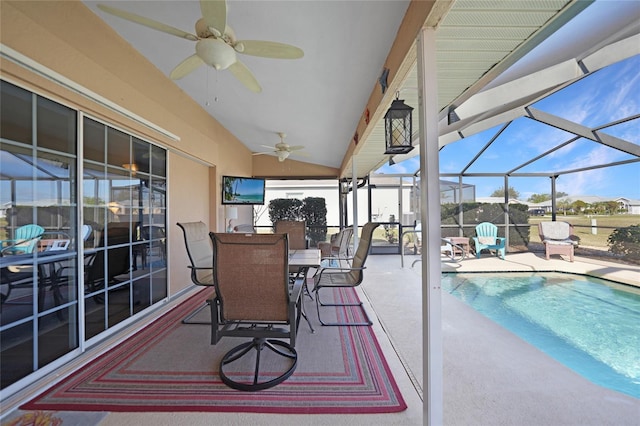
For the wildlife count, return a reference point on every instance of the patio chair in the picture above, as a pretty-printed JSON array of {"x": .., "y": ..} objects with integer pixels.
[
  {"x": 254, "y": 299},
  {"x": 24, "y": 242},
  {"x": 200, "y": 253},
  {"x": 332, "y": 277},
  {"x": 557, "y": 238},
  {"x": 487, "y": 239},
  {"x": 297, "y": 231},
  {"x": 338, "y": 247}
]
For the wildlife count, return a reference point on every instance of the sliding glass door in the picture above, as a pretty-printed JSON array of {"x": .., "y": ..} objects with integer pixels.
[{"x": 82, "y": 230}]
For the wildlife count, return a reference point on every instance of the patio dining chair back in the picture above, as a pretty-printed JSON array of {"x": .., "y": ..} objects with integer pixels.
[
  {"x": 297, "y": 232},
  {"x": 200, "y": 253}
]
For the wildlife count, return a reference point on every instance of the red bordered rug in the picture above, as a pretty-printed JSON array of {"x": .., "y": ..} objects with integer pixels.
[{"x": 170, "y": 366}]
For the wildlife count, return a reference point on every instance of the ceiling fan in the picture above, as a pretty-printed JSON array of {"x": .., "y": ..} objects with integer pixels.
[
  {"x": 216, "y": 43},
  {"x": 282, "y": 149}
]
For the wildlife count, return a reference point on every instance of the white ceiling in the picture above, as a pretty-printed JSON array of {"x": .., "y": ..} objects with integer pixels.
[{"x": 318, "y": 100}]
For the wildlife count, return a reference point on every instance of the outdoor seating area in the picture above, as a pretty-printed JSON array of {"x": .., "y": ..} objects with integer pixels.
[{"x": 175, "y": 200}]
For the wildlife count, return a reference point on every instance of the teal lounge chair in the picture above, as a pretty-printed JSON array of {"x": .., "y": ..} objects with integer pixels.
[
  {"x": 24, "y": 242},
  {"x": 487, "y": 239}
]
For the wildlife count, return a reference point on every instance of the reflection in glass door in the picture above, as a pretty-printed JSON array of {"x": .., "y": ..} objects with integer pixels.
[{"x": 102, "y": 253}]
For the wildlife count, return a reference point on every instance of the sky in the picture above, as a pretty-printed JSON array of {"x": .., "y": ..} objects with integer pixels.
[{"x": 604, "y": 96}]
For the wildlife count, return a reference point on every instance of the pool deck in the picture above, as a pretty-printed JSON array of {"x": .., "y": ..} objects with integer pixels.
[
  {"x": 490, "y": 375},
  {"x": 530, "y": 262}
]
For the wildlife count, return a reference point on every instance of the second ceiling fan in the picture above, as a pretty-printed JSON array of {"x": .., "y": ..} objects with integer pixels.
[
  {"x": 282, "y": 149},
  {"x": 216, "y": 43}
]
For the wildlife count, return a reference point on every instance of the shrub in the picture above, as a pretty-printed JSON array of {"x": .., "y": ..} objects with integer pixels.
[
  {"x": 312, "y": 210},
  {"x": 625, "y": 242}
]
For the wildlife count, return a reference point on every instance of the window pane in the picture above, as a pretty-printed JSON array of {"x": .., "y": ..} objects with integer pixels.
[
  {"x": 141, "y": 155},
  {"x": 15, "y": 113},
  {"x": 58, "y": 335},
  {"x": 56, "y": 126},
  {"x": 158, "y": 161},
  {"x": 16, "y": 357},
  {"x": 118, "y": 148},
  {"x": 94, "y": 141}
]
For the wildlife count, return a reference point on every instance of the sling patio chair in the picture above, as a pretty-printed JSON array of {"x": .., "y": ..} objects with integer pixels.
[
  {"x": 487, "y": 239},
  {"x": 255, "y": 299},
  {"x": 297, "y": 231},
  {"x": 338, "y": 247},
  {"x": 332, "y": 277},
  {"x": 200, "y": 253},
  {"x": 557, "y": 238}
]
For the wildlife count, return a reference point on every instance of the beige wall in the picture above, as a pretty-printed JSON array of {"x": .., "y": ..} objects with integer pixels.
[{"x": 184, "y": 207}]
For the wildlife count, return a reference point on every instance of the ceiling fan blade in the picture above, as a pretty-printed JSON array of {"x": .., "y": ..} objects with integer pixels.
[
  {"x": 214, "y": 13},
  {"x": 267, "y": 146},
  {"x": 296, "y": 147},
  {"x": 260, "y": 153},
  {"x": 186, "y": 66},
  {"x": 147, "y": 22},
  {"x": 269, "y": 49},
  {"x": 242, "y": 73}
]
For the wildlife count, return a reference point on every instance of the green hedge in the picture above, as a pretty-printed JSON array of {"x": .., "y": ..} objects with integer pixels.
[
  {"x": 313, "y": 210},
  {"x": 475, "y": 213}
]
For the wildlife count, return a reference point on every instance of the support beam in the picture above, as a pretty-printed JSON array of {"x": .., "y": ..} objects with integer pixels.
[
  {"x": 430, "y": 215},
  {"x": 583, "y": 131}
]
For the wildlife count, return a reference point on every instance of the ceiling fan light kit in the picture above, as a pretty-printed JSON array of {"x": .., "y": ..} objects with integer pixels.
[
  {"x": 216, "y": 43},
  {"x": 216, "y": 53}
]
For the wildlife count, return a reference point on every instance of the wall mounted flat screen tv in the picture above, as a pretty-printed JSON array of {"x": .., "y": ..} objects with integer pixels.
[{"x": 242, "y": 190}]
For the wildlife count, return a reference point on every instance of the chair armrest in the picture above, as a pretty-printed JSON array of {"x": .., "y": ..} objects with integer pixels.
[
  {"x": 331, "y": 269},
  {"x": 296, "y": 290},
  {"x": 14, "y": 243},
  {"x": 200, "y": 267}
]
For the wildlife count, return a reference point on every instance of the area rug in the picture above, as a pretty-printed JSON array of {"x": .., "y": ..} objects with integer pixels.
[{"x": 171, "y": 367}]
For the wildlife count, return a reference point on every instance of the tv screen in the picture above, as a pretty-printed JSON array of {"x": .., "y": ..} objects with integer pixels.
[{"x": 242, "y": 190}]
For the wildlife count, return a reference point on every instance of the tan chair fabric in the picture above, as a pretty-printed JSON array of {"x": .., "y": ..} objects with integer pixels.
[
  {"x": 297, "y": 231},
  {"x": 339, "y": 245},
  {"x": 251, "y": 277},
  {"x": 343, "y": 276},
  {"x": 198, "y": 243}
]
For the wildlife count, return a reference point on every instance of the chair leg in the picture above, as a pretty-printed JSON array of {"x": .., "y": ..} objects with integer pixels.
[
  {"x": 187, "y": 319},
  {"x": 320, "y": 303}
]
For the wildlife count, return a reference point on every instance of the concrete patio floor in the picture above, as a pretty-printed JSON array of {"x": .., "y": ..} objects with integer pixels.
[{"x": 491, "y": 376}]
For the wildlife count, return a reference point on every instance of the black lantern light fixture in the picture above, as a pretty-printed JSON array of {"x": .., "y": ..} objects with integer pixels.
[{"x": 397, "y": 128}]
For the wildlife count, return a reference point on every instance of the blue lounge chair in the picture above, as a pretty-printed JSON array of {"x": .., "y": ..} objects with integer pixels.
[
  {"x": 487, "y": 239},
  {"x": 24, "y": 242}
]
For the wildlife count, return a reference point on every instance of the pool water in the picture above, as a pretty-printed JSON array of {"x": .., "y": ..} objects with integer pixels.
[{"x": 590, "y": 325}]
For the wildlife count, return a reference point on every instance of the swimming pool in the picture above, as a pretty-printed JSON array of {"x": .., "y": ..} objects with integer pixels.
[{"x": 590, "y": 325}]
